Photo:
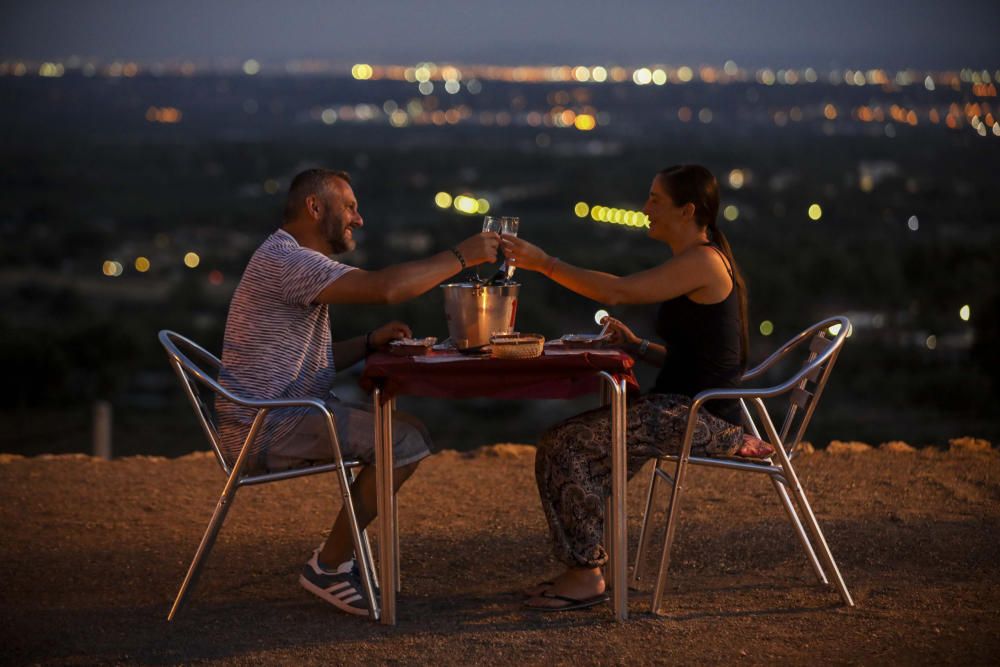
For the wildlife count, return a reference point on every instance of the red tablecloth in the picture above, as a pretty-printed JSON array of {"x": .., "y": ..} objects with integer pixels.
[{"x": 547, "y": 376}]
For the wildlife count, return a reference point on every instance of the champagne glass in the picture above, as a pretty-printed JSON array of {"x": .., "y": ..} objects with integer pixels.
[
  {"x": 491, "y": 223},
  {"x": 509, "y": 225}
]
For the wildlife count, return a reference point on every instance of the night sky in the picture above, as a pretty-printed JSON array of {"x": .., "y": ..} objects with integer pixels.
[{"x": 780, "y": 33}]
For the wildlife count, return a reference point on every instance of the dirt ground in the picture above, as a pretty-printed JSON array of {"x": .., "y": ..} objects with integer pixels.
[{"x": 92, "y": 553}]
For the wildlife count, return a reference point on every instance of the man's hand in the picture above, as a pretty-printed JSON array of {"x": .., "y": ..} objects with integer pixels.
[
  {"x": 389, "y": 332},
  {"x": 480, "y": 249},
  {"x": 523, "y": 254}
]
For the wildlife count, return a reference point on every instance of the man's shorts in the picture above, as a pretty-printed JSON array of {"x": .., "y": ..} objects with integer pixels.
[{"x": 310, "y": 442}]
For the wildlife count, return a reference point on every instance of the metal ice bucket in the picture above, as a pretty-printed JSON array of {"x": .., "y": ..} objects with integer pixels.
[{"x": 474, "y": 312}]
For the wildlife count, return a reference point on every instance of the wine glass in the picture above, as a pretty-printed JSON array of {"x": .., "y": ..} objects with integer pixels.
[
  {"x": 491, "y": 223},
  {"x": 509, "y": 225}
]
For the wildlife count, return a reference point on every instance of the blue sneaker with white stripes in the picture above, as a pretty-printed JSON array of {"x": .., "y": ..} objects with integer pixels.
[{"x": 341, "y": 588}]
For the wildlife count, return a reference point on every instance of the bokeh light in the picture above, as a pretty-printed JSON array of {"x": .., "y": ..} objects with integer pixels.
[
  {"x": 192, "y": 260},
  {"x": 815, "y": 212},
  {"x": 766, "y": 328},
  {"x": 362, "y": 71},
  {"x": 111, "y": 268},
  {"x": 642, "y": 76}
]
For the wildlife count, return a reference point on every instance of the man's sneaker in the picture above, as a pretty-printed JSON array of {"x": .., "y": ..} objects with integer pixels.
[{"x": 342, "y": 589}]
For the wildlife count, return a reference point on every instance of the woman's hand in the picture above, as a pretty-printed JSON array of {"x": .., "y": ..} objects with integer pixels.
[
  {"x": 619, "y": 335},
  {"x": 522, "y": 254},
  {"x": 389, "y": 332}
]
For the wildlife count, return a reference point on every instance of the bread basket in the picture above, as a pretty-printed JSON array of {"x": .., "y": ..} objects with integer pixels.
[{"x": 517, "y": 345}]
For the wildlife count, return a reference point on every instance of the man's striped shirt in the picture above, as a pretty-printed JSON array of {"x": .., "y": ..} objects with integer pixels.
[{"x": 277, "y": 342}]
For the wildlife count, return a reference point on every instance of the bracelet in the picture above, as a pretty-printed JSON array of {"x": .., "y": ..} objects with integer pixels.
[
  {"x": 643, "y": 347},
  {"x": 455, "y": 251},
  {"x": 550, "y": 266},
  {"x": 368, "y": 343}
]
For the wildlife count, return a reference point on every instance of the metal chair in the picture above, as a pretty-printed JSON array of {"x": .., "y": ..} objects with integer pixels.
[
  {"x": 182, "y": 354},
  {"x": 803, "y": 390}
]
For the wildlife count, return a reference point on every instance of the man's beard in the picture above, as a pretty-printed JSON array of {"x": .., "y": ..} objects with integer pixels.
[{"x": 336, "y": 235}]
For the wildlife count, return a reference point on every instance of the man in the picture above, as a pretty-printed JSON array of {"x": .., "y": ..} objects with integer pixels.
[{"x": 278, "y": 345}]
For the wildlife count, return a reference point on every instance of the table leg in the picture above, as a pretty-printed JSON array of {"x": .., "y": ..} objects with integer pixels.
[
  {"x": 619, "y": 525},
  {"x": 386, "y": 516},
  {"x": 609, "y": 523}
]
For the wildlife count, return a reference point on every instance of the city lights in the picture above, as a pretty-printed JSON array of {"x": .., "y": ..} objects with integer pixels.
[{"x": 974, "y": 113}]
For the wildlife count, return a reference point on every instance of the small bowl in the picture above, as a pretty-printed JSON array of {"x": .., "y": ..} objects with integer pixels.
[
  {"x": 583, "y": 341},
  {"x": 411, "y": 347}
]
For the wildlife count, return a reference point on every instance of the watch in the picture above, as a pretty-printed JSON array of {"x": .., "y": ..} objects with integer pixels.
[{"x": 643, "y": 346}]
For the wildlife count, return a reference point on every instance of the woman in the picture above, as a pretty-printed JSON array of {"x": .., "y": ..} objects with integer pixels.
[{"x": 702, "y": 321}]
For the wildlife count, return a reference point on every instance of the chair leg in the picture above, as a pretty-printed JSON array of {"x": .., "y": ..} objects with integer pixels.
[
  {"x": 359, "y": 542},
  {"x": 204, "y": 548},
  {"x": 793, "y": 517},
  {"x": 366, "y": 557},
  {"x": 644, "y": 533},
  {"x": 673, "y": 510},
  {"x": 824, "y": 549},
  {"x": 395, "y": 538}
]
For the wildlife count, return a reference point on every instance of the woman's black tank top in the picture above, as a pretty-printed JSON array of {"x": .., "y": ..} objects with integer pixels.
[{"x": 703, "y": 348}]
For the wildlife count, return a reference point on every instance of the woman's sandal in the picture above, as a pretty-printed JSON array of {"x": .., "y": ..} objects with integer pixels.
[{"x": 571, "y": 603}]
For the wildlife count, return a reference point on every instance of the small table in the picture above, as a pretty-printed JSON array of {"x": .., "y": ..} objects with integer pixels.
[{"x": 558, "y": 373}]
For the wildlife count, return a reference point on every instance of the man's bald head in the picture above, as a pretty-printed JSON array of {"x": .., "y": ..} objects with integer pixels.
[{"x": 310, "y": 182}]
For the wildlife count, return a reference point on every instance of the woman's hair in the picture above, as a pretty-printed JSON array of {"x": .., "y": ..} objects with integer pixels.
[{"x": 694, "y": 184}]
